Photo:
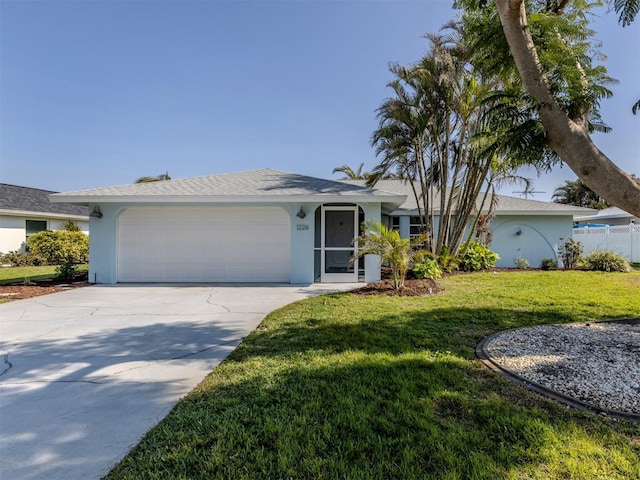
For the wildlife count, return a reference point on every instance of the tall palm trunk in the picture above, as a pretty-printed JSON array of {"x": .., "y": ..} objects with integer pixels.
[{"x": 569, "y": 138}]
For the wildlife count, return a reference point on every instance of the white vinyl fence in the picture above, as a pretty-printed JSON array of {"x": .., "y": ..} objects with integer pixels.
[{"x": 621, "y": 239}]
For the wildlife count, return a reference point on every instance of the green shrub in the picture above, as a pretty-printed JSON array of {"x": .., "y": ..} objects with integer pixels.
[
  {"x": 477, "y": 257},
  {"x": 66, "y": 271},
  {"x": 20, "y": 259},
  {"x": 606, "y": 261},
  {"x": 570, "y": 253},
  {"x": 447, "y": 261},
  {"x": 427, "y": 268},
  {"x": 548, "y": 264},
  {"x": 521, "y": 262},
  {"x": 63, "y": 248}
]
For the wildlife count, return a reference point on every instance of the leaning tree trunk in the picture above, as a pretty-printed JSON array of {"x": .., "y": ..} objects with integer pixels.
[{"x": 570, "y": 139}]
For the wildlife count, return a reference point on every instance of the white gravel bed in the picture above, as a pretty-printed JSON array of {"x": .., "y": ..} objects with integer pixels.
[{"x": 596, "y": 363}]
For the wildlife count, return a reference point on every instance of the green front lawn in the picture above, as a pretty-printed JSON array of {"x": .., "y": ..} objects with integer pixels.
[
  {"x": 348, "y": 387},
  {"x": 22, "y": 274}
]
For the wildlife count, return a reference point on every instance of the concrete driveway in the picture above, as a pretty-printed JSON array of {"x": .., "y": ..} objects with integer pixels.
[{"x": 88, "y": 371}]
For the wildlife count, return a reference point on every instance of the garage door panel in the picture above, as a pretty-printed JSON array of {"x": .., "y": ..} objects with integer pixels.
[{"x": 204, "y": 244}]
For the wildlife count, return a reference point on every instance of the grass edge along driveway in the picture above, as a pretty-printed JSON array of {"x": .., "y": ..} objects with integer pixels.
[{"x": 343, "y": 386}]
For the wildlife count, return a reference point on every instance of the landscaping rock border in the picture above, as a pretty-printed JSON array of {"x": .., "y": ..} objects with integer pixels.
[{"x": 603, "y": 364}]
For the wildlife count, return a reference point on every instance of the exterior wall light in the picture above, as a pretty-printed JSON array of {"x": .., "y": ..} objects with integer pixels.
[
  {"x": 519, "y": 232},
  {"x": 301, "y": 213},
  {"x": 96, "y": 212}
]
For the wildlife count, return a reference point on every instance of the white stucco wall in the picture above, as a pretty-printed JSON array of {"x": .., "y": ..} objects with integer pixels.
[
  {"x": 12, "y": 233},
  {"x": 13, "y": 229}
]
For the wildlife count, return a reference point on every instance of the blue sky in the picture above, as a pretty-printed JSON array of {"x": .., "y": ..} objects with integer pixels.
[{"x": 97, "y": 93}]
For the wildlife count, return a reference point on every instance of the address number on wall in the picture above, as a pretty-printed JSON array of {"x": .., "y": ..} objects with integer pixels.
[{"x": 302, "y": 226}]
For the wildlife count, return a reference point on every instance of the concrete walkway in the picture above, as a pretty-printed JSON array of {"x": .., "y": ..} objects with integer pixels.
[{"x": 88, "y": 371}]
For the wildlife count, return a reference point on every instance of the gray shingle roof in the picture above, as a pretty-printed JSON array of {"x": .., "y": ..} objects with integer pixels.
[
  {"x": 606, "y": 214},
  {"x": 26, "y": 199},
  {"x": 506, "y": 205},
  {"x": 264, "y": 183}
]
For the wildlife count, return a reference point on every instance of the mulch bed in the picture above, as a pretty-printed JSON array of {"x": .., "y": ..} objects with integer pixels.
[
  {"x": 412, "y": 288},
  {"x": 18, "y": 291}
]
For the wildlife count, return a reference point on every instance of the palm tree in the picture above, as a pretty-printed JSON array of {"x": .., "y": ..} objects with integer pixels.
[
  {"x": 627, "y": 9},
  {"x": 393, "y": 250},
  {"x": 402, "y": 138},
  {"x": 437, "y": 132},
  {"x": 577, "y": 193},
  {"x": 351, "y": 174}
]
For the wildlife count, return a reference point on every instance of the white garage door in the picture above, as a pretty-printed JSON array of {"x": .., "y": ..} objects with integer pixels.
[{"x": 203, "y": 244}]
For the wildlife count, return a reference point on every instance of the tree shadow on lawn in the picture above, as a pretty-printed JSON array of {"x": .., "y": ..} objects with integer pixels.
[
  {"x": 71, "y": 408},
  {"x": 392, "y": 397},
  {"x": 455, "y": 330},
  {"x": 374, "y": 418}
]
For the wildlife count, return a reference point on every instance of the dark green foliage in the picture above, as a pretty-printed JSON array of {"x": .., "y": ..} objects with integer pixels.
[
  {"x": 577, "y": 193},
  {"x": 568, "y": 57},
  {"x": 628, "y": 9},
  {"x": 477, "y": 257},
  {"x": 66, "y": 271},
  {"x": 548, "y": 264},
  {"x": 606, "y": 261},
  {"x": 447, "y": 261},
  {"x": 19, "y": 259},
  {"x": 159, "y": 178},
  {"x": 71, "y": 226}
]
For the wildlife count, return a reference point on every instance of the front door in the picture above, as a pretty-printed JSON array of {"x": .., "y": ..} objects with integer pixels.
[{"x": 339, "y": 231}]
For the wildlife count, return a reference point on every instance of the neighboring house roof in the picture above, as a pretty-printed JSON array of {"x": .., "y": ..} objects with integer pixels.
[
  {"x": 16, "y": 200},
  {"x": 606, "y": 214},
  {"x": 255, "y": 186},
  {"x": 506, "y": 205}
]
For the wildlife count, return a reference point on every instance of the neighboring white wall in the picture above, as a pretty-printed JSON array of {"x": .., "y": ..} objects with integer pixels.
[
  {"x": 58, "y": 224},
  {"x": 12, "y": 233},
  {"x": 13, "y": 230},
  {"x": 623, "y": 240},
  {"x": 539, "y": 239}
]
